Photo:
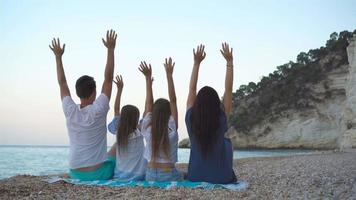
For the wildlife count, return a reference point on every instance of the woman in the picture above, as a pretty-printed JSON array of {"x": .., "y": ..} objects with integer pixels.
[
  {"x": 206, "y": 120},
  {"x": 159, "y": 127},
  {"x": 130, "y": 163}
]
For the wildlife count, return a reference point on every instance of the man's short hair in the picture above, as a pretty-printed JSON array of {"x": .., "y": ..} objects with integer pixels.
[{"x": 85, "y": 86}]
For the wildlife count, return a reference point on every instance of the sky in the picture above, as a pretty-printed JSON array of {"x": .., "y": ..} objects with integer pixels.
[{"x": 264, "y": 34}]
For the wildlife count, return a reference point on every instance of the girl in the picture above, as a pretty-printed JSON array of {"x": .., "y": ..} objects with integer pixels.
[
  {"x": 130, "y": 163},
  {"x": 159, "y": 127},
  {"x": 206, "y": 120}
]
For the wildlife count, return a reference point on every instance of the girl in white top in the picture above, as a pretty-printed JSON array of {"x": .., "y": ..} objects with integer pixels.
[
  {"x": 159, "y": 128},
  {"x": 130, "y": 162}
]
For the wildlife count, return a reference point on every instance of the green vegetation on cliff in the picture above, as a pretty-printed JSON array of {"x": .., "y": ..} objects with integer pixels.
[{"x": 288, "y": 86}]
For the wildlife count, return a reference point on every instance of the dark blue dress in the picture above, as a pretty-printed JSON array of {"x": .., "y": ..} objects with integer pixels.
[{"x": 217, "y": 167}]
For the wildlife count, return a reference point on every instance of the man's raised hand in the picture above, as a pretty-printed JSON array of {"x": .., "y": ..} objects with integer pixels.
[
  {"x": 146, "y": 70},
  {"x": 169, "y": 65},
  {"x": 110, "y": 41},
  {"x": 56, "y": 47},
  {"x": 119, "y": 82},
  {"x": 200, "y": 54},
  {"x": 227, "y": 52}
]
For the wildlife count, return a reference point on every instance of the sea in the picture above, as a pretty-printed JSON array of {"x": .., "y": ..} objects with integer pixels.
[{"x": 50, "y": 160}]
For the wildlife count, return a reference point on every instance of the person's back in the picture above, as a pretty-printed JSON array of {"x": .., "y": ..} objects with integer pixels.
[
  {"x": 87, "y": 132},
  {"x": 207, "y": 120},
  {"x": 217, "y": 166},
  {"x": 130, "y": 161},
  {"x": 159, "y": 127},
  {"x": 86, "y": 122}
]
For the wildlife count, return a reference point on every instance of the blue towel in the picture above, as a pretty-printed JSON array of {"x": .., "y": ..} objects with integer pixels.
[{"x": 240, "y": 185}]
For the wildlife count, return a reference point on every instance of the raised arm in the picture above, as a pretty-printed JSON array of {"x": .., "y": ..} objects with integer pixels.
[
  {"x": 147, "y": 72},
  {"x": 58, "y": 52},
  {"x": 119, "y": 84},
  {"x": 199, "y": 56},
  {"x": 109, "y": 69},
  {"x": 227, "y": 53},
  {"x": 169, "y": 66}
]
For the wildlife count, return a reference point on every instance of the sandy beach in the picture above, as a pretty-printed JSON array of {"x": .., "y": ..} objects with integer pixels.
[{"x": 323, "y": 175}]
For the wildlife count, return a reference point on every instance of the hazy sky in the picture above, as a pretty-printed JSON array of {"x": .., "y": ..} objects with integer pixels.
[{"x": 264, "y": 34}]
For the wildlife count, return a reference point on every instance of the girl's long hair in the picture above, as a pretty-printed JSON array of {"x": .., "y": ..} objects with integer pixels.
[
  {"x": 205, "y": 119},
  {"x": 159, "y": 128},
  {"x": 128, "y": 123}
]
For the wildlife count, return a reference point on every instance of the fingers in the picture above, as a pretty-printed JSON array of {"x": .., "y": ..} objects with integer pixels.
[
  {"x": 226, "y": 48},
  {"x": 51, "y": 47},
  {"x": 64, "y": 46},
  {"x": 119, "y": 82},
  {"x": 145, "y": 69},
  {"x": 200, "y": 50}
]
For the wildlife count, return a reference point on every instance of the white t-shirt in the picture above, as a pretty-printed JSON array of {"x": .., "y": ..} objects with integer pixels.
[
  {"x": 87, "y": 131},
  {"x": 130, "y": 163},
  {"x": 173, "y": 140}
]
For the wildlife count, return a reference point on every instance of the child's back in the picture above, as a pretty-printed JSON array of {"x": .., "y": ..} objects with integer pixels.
[{"x": 130, "y": 163}]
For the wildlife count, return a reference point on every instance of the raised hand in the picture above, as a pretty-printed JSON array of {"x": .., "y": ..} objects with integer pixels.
[
  {"x": 169, "y": 65},
  {"x": 110, "y": 39},
  {"x": 146, "y": 70},
  {"x": 200, "y": 54},
  {"x": 227, "y": 52},
  {"x": 119, "y": 82},
  {"x": 56, "y": 47}
]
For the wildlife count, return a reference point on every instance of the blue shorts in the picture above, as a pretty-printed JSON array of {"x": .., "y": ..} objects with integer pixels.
[
  {"x": 105, "y": 172},
  {"x": 168, "y": 174}
]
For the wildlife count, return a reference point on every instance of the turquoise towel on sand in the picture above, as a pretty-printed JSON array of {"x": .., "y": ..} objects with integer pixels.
[{"x": 240, "y": 185}]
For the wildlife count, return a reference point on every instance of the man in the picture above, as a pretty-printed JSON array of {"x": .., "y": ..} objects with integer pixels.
[{"x": 86, "y": 122}]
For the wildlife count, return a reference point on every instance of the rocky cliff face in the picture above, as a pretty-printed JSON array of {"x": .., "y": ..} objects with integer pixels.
[{"x": 324, "y": 119}]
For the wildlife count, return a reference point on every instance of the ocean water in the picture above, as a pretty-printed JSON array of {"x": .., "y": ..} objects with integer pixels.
[{"x": 46, "y": 160}]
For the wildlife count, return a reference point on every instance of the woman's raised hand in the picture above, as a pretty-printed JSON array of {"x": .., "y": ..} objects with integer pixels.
[
  {"x": 110, "y": 41},
  {"x": 199, "y": 54},
  {"x": 146, "y": 70},
  {"x": 56, "y": 47},
  {"x": 226, "y": 51},
  {"x": 169, "y": 65}
]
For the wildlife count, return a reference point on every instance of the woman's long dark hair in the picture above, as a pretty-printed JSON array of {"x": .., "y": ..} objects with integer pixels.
[
  {"x": 159, "y": 127},
  {"x": 205, "y": 119},
  {"x": 128, "y": 123}
]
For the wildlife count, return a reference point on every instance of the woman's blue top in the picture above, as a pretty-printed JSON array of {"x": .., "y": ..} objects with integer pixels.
[{"x": 217, "y": 167}]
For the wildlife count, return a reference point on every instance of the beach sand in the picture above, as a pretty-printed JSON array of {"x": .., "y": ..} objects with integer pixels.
[{"x": 323, "y": 175}]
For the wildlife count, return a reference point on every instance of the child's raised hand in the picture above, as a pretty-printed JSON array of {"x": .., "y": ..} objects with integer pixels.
[
  {"x": 227, "y": 52},
  {"x": 110, "y": 39},
  {"x": 200, "y": 54},
  {"x": 169, "y": 65},
  {"x": 56, "y": 47},
  {"x": 119, "y": 82},
  {"x": 145, "y": 69}
]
